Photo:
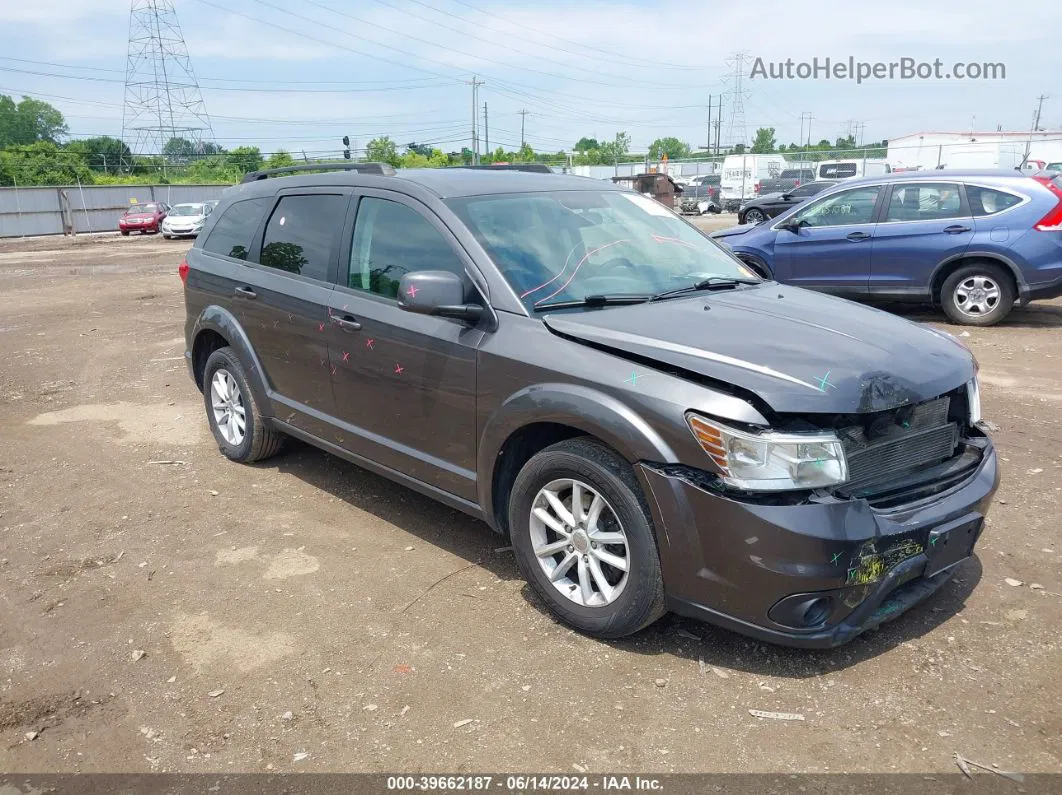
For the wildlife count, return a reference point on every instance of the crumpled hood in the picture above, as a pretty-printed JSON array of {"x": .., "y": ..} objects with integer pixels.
[{"x": 800, "y": 351}]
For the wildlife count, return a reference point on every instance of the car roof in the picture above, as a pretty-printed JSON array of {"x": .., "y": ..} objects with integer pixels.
[
  {"x": 443, "y": 182},
  {"x": 938, "y": 174}
]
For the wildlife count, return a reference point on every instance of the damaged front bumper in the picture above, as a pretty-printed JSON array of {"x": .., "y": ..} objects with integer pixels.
[{"x": 812, "y": 572}]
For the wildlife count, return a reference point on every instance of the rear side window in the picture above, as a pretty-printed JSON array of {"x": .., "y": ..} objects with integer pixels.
[
  {"x": 985, "y": 201},
  {"x": 232, "y": 232},
  {"x": 300, "y": 236},
  {"x": 391, "y": 240},
  {"x": 924, "y": 202}
]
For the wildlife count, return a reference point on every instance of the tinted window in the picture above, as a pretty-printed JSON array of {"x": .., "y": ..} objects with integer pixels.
[
  {"x": 924, "y": 202},
  {"x": 301, "y": 232},
  {"x": 232, "y": 233},
  {"x": 838, "y": 170},
  {"x": 808, "y": 190},
  {"x": 985, "y": 201},
  {"x": 854, "y": 206},
  {"x": 390, "y": 240}
]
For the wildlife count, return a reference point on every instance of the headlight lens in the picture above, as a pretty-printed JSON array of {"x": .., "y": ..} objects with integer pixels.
[
  {"x": 771, "y": 461},
  {"x": 973, "y": 400}
]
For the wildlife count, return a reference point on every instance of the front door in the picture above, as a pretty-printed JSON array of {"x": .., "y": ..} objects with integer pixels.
[
  {"x": 923, "y": 224},
  {"x": 830, "y": 251},
  {"x": 405, "y": 384},
  {"x": 282, "y": 301}
]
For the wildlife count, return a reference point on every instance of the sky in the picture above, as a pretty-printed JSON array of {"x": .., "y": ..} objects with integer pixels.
[{"x": 299, "y": 75}]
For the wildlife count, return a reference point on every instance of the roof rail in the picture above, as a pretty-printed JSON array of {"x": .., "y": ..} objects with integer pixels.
[
  {"x": 382, "y": 169},
  {"x": 535, "y": 168}
]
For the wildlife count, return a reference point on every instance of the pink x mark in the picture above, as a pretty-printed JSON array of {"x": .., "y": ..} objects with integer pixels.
[
  {"x": 333, "y": 369},
  {"x": 346, "y": 356},
  {"x": 369, "y": 343},
  {"x": 320, "y": 326},
  {"x": 398, "y": 369},
  {"x": 412, "y": 291}
]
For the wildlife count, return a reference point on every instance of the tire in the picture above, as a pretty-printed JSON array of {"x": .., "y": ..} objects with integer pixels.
[
  {"x": 166, "y": 237},
  {"x": 638, "y": 594},
  {"x": 258, "y": 440},
  {"x": 756, "y": 265},
  {"x": 965, "y": 305},
  {"x": 755, "y": 216},
  {"x": 125, "y": 232}
]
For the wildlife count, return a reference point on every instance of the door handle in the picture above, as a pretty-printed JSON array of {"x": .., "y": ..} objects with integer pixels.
[
  {"x": 956, "y": 229},
  {"x": 857, "y": 236},
  {"x": 347, "y": 323},
  {"x": 244, "y": 292}
]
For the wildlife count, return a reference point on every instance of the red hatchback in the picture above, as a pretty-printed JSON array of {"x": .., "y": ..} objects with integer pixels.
[{"x": 142, "y": 218}]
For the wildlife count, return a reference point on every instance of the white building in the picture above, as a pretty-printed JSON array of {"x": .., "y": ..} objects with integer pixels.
[{"x": 929, "y": 150}]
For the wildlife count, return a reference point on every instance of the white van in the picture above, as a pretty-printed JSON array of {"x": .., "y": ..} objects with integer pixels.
[
  {"x": 741, "y": 174},
  {"x": 855, "y": 167}
]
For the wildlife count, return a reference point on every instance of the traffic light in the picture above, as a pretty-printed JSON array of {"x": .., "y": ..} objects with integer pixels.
[{"x": 346, "y": 151}]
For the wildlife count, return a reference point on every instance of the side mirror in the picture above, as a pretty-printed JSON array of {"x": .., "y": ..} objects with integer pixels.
[
  {"x": 787, "y": 196},
  {"x": 790, "y": 226},
  {"x": 439, "y": 293}
]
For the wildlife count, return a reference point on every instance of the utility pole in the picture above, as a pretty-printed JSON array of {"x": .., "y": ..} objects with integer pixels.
[
  {"x": 475, "y": 117},
  {"x": 810, "y": 117},
  {"x": 523, "y": 118},
  {"x": 486, "y": 132},
  {"x": 718, "y": 124},
  {"x": 709, "y": 125},
  {"x": 1035, "y": 127}
]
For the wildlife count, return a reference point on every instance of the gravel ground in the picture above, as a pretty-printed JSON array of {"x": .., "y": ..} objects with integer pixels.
[{"x": 163, "y": 609}]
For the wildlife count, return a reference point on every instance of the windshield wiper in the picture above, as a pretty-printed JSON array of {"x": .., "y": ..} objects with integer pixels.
[
  {"x": 596, "y": 300},
  {"x": 712, "y": 283}
]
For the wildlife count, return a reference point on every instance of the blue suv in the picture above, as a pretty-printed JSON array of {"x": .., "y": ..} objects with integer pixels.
[{"x": 973, "y": 242}]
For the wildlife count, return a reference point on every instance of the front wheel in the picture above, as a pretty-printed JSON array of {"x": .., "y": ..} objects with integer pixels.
[
  {"x": 583, "y": 538},
  {"x": 979, "y": 294}
]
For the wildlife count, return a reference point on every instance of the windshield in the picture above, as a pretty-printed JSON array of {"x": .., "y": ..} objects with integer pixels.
[
  {"x": 142, "y": 208},
  {"x": 187, "y": 209},
  {"x": 569, "y": 245}
]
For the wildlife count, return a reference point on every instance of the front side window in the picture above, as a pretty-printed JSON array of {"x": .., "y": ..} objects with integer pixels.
[
  {"x": 300, "y": 235},
  {"x": 807, "y": 190},
  {"x": 923, "y": 202},
  {"x": 985, "y": 201},
  {"x": 232, "y": 233},
  {"x": 391, "y": 240},
  {"x": 562, "y": 246},
  {"x": 846, "y": 208}
]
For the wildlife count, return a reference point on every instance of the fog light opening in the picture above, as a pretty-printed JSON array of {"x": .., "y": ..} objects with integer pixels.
[{"x": 816, "y": 611}]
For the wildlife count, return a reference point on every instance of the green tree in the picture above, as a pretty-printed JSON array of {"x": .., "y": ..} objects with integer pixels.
[
  {"x": 42, "y": 163},
  {"x": 413, "y": 160},
  {"x": 420, "y": 149},
  {"x": 525, "y": 154},
  {"x": 178, "y": 150},
  {"x": 244, "y": 158},
  {"x": 585, "y": 144},
  {"x": 764, "y": 142},
  {"x": 29, "y": 121},
  {"x": 279, "y": 159},
  {"x": 671, "y": 146},
  {"x": 103, "y": 153},
  {"x": 283, "y": 256},
  {"x": 739, "y": 149},
  {"x": 382, "y": 150},
  {"x": 615, "y": 150}
]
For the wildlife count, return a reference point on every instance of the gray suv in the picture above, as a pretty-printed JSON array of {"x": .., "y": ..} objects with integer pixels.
[{"x": 653, "y": 425}]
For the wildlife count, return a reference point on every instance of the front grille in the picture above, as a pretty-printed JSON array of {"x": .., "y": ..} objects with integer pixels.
[{"x": 899, "y": 442}]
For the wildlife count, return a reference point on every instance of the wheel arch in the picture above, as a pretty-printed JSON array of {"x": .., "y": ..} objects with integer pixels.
[
  {"x": 217, "y": 328},
  {"x": 949, "y": 266},
  {"x": 539, "y": 416}
]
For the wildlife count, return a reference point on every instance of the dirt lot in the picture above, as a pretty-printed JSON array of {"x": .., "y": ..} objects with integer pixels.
[{"x": 198, "y": 615}]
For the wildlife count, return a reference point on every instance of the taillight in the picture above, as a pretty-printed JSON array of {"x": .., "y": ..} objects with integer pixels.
[
  {"x": 1052, "y": 222},
  {"x": 182, "y": 270}
]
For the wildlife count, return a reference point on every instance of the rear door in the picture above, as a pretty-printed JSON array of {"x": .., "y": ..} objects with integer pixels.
[
  {"x": 405, "y": 383},
  {"x": 282, "y": 301},
  {"x": 922, "y": 225},
  {"x": 831, "y": 249}
]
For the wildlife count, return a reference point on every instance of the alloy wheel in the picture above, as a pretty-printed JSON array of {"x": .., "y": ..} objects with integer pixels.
[
  {"x": 579, "y": 542},
  {"x": 977, "y": 296},
  {"x": 230, "y": 415}
]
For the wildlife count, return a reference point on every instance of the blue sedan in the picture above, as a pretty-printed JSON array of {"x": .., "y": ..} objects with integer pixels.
[{"x": 972, "y": 242}]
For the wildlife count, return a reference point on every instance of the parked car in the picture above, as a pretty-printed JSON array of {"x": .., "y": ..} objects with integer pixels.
[
  {"x": 1053, "y": 167},
  {"x": 184, "y": 220},
  {"x": 652, "y": 426},
  {"x": 700, "y": 199},
  {"x": 787, "y": 180},
  {"x": 854, "y": 167},
  {"x": 974, "y": 243},
  {"x": 759, "y": 210},
  {"x": 142, "y": 218}
]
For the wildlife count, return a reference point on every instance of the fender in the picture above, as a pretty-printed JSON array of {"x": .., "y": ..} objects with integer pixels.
[
  {"x": 1019, "y": 279},
  {"x": 219, "y": 319},
  {"x": 589, "y": 410}
]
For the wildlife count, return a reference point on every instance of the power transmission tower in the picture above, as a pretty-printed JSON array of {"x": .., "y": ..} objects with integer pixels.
[
  {"x": 737, "y": 96},
  {"x": 475, "y": 117},
  {"x": 523, "y": 118},
  {"x": 162, "y": 96}
]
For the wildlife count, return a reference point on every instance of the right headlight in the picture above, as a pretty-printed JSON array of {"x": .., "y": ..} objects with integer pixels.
[{"x": 771, "y": 461}]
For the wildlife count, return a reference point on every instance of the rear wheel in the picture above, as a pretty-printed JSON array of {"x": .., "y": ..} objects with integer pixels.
[
  {"x": 755, "y": 215},
  {"x": 978, "y": 294},
  {"x": 235, "y": 420},
  {"x": 583, "y": 539}
]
